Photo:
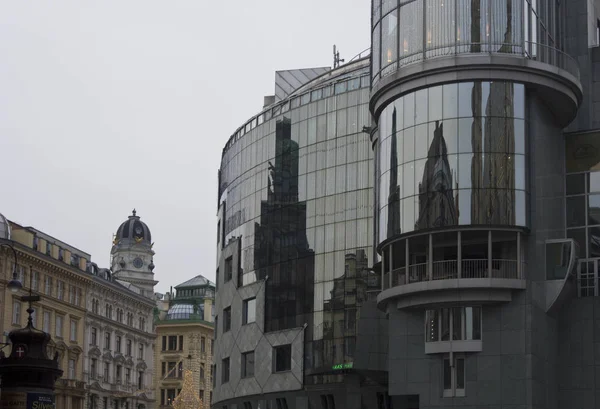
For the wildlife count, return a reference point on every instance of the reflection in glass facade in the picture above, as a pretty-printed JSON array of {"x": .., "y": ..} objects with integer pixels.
[
  {"x": 453, "y": 155},
  {"x": 296, "y": 185},
  {"x": 583, "y": 192},
  {"x": 405, "y": 32}
]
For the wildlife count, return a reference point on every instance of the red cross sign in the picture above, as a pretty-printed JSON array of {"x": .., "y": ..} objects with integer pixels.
[{"x": 20, "y": 352}]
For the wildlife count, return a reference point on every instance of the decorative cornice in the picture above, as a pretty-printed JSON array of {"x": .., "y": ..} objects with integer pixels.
[{"x": 52, "y": 264}]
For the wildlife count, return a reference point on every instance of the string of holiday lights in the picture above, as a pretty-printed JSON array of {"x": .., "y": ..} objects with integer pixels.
[{"x": 188, "y": 396}]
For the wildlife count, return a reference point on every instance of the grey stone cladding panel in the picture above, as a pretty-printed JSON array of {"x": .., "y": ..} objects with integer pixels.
[{"x": 250, "y": 337}]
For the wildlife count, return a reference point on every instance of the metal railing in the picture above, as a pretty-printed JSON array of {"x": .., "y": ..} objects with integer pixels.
[
  {"x": 528, "y": 49},
  {"x": 449, "y": 269}
]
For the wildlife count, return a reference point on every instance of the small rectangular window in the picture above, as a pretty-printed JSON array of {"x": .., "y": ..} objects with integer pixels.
[
  {"x": 172, "y": 343},
  {"x": 47, "y": 321},
  {"x": 225, "y": 370},
  {"x": 59, "y": 326},
  {"x": 248, "y": 364},
  {"x": 164, "y": 343},
  {"x": 71, "y": 369},
  {"x": 16, "y": 313},
  {"x": 73, "y": 330},
  {"x": 227, "y": 319},
  {"x": 181, "y": 342},
  {"x": 35, "y": 280},
  {"x": 283, "y": 358},
  {"x": 454, "y": 376},
  {"x": 228, "y": 269},
  {"x": 249, "y": 311}
]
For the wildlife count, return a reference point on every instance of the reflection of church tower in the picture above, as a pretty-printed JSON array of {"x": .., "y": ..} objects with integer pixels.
[
  {"x": 132, "y": 255},
  {"x": 281, "y": 249},
  {"x": 493, "y": 174},
  {"x": 436, "y": 200},
  {"x": 394, "y": 196}
]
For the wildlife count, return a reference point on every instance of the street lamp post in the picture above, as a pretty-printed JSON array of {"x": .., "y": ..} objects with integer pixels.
[{"x": 28, "y": 375}]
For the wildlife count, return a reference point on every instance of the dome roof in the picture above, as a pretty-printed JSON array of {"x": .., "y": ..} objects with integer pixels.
[
  {"x": 134, "y": 229},
  {"x": 4, "y": 228},
  {"x": 180, "y": 312}
]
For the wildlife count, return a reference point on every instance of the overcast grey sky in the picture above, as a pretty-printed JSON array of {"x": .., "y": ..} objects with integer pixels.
[{"x": 110, "y": 105}]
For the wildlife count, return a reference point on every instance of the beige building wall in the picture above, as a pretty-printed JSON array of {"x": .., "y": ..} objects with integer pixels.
[
  {"x": 55, "y": 271},
  {"x": 195, "y": 354}
]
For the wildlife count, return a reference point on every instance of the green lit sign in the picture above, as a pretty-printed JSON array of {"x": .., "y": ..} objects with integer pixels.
[{"x": 342, "y": 366}]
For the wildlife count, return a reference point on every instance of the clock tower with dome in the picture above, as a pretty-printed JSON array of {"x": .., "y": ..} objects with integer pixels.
[{"x": 132, "y": 255}]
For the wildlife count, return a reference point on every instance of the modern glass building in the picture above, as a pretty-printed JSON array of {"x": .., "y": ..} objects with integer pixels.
[
  {"x": 486, "y": 218},
  {"x": 295, "y": 246},
  {"x": 420, "y": 229}
]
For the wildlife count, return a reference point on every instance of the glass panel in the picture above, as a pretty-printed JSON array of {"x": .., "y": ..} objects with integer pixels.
[
  {"x": 376, "y": 49},
  {"x": 457, "y": 323},
  {"x": 468, "y": 323},
  {"x": 582, "y": 152},
  {"x": 389, "y": 36},
  {"x": 593, "y": 210},
  {"x": 445, "y": 330},
  {"x": 435, "y": 107},
  {"x": 476, "y": 322},
  {"x": 440, "y": 27},
  {"x": 450, "y": 101},
  {"x": 421, "y": 106},
  {"x": 579, "y": 236},
  {"x": 411, "y": 32},
  {"x": 576, "y": 211},
  {"x": 575, "y": 184},
  {"x": 594, "y": 182},
  {"x": 594, "y": 241},
  {"x": 460, "y": 373},
  {"x": 447, "y": 374},
  {"x": 387, "y": 5}
]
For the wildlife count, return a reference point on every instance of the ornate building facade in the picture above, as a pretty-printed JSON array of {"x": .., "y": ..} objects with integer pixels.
[
  {"x": 119, "y": 347},
  {"x": 185, "y": 337},
  {"x": 132, "y": 255},
  {"x": 101, "y": 326},
  {"x": 56, "y": 271}
]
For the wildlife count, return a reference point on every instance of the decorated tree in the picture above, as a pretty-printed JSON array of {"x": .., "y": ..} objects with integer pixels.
[{"x": 188, "y": 397}]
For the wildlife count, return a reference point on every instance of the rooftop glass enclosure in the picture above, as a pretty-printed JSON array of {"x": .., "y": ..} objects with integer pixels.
[{"x": 407, "y": 32}]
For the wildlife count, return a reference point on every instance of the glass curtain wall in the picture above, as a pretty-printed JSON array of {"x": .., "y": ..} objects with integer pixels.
[
  {"x": 297, "y": 187},
  {"x": 583, "y": 192},
  {"x": 453, "y": 155},
  {"x": 405, "y": 32}
]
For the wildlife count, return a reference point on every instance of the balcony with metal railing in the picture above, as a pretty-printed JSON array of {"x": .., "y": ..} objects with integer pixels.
[{"x": 442, "y": 268}]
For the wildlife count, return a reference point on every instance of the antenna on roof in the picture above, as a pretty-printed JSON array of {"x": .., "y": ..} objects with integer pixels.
[{"x": 336, "y": 57}]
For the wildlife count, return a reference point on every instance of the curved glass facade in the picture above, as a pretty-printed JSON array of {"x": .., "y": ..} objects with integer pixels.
[
  {"x": 296, "y": 187},
  {"x": 453, "y": 155},
  {"x": 405, "y": 32}
]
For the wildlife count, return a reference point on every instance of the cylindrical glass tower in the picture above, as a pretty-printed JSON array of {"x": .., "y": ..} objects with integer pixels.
[{"x": 469, "y": 99}]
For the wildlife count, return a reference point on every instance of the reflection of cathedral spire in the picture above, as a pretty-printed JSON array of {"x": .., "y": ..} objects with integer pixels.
[
  {"x": 492, "y": 167},
  {"x": 436, "y": 200},
  {"x": 394, "y": 196},
  {"x": 281, "y": 248}
]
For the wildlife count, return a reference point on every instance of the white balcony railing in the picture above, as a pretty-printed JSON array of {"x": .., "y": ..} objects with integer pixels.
[{"x": 452, "y": 269}]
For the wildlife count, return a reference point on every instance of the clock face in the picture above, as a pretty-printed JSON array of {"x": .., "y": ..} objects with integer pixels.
[
  {"x": 138, "y": 263},
  {"x": 138, "y": 230}
]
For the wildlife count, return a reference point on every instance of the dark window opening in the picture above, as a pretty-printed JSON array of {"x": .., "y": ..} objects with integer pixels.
[{"x": 283, "y": 358}]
